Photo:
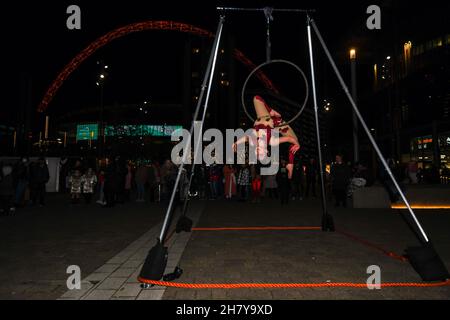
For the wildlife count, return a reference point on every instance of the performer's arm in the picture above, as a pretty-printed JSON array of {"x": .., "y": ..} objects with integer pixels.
[{"x": 240, "y": 141}]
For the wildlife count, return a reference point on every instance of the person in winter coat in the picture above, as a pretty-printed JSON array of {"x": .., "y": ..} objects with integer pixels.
[
  {"x": 340, "y": 179},
  {"x": 88, "y": 181},
  {"x": 76, "y": 186},
  {"x": 141, "y": 179},
  {"x": 230, "y": 181},
  {"x": 6, "y": 190},
  {"x": 22, "y": 176},
  {"x": 39, "y": 177}
]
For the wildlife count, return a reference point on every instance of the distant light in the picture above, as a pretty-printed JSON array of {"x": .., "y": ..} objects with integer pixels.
[
  {"x": 97, "y": 83},
  {"x": 328, "y": 104},
  {"x": 106, "y": 67},
  {"x": 140, "y": 108},
  {"x": 372, "y": 129},
  {"x": 422, "y": 206},
  {"x": 102, "y": 76},
  {"x": 145, "y": 102},
  {"x": 352, "y": 54},
  {"x": 388, "y": 58}
]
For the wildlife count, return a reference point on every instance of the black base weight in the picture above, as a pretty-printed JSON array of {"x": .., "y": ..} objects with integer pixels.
[
  {"x": 174, "y": 275},
  {"x": 155, "y": 263},
  {"x": 427, "y": 263},
  {"x": 328, "y": 223},
  {"x": 184, "y": 224}
]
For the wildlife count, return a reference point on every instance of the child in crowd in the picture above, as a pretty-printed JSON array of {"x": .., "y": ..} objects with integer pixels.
[
  {"x": 88, "y": 181},
  {"x": 256, "y": 189},
  {"x": 101, "y": 185},
  {"x": 75, "y": 186}
]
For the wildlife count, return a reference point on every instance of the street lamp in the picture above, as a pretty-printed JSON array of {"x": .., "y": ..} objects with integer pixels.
[
  {"x": 327, "y": 105},
  {"x": 100, "y": 83},
  {"x": 354, "y": 95}
]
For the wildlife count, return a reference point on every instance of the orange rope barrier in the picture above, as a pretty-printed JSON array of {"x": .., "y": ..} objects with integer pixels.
[
  {"x": 255, "y": 228},
  {"x": 348, "y": 235},
  {"x": 288, "y": 285},
  {"x": 292, "y": 285},
  {"x": 374, "y": 246}
]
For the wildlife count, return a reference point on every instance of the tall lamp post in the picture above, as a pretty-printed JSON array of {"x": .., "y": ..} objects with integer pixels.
[
  {"x": 103, "y": 73},
  {"x": 354, "y": 96}
]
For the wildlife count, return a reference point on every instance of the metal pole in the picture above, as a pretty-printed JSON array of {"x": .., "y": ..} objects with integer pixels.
[
  {"x": 354, "y": 117},
  {"x": 101, "y": 139},
  {"x": 47, "y": 122},
  {"x": 197, "y": 143},
  {"x": 319, "y": 146},
  {"x": 262, "y": 9},
  {"x": 366, "y": 129},
  {"x": 208, "y": 76}
]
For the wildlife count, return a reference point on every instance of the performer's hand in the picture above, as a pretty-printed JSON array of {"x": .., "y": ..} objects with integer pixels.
[
  {"x": 294, "y": 148},
  {"x": 274, "y": 113},
  {"x": 235, "y": 147}
]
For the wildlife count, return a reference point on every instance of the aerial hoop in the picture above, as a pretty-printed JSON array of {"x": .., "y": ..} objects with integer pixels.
[{"x": 305, "y": 79}]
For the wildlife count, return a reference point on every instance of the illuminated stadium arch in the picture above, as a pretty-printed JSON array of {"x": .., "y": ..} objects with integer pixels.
[{"x": 132, "y": 28}]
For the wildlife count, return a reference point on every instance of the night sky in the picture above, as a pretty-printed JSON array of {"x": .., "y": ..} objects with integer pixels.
[{"x": 148, "y": 65}]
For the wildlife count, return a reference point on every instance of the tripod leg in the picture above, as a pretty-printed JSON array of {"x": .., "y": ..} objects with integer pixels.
[
  {"x": 424, "y": 259},
  {"x": 156, "y": 260},
  {"x": 327, "y": 219}
]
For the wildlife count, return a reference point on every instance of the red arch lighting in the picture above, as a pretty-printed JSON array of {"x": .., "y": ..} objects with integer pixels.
[{"x": 132, "y": 28}]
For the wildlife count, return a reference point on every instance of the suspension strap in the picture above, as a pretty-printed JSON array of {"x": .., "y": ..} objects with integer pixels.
[{"x": 268, "y": 14}]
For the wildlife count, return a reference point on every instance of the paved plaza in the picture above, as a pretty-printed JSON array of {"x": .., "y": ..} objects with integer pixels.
[{"x": 110, "y": 246}]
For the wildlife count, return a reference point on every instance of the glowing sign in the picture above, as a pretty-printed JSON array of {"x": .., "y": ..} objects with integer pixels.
[
  {"x": 87, "y": 132},
  {"x": 140, "y": 130}
]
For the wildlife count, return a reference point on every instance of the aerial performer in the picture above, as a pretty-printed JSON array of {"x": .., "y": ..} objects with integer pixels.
[{"x": 268, "y": 118}]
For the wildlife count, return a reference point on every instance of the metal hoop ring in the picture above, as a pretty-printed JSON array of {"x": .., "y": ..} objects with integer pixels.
[{"x": 302, "y": 107}]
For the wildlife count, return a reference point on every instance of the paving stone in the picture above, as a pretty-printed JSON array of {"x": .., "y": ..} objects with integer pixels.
[
  {"x": 77, "y": 294},
  {"x": 118, "y": 260},
  {"x": 99, "y": 295},
  {"x": 97, "y": 277},
  {"x": 108, "y": 268},
  {"x": 111, "y": 284},
  {"x": 132, "y": 264},
  {"x": 123, "y": 272},
  {"x": 151, "y": 295},
  {"x": 128, "y": 290}
]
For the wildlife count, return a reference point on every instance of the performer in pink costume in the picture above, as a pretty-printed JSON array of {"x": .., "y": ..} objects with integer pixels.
[{"x": 267, "y": 119}]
